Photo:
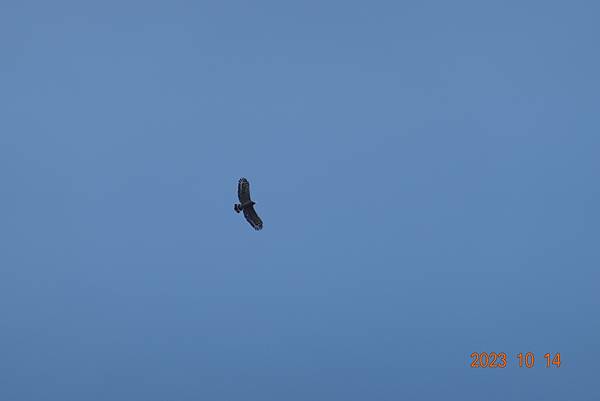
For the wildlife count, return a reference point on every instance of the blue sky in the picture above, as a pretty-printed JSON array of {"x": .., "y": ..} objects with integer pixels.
[{"x": 427, "y": 173}]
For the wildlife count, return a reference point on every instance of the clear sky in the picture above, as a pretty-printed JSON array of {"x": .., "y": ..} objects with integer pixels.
[{"x": 427, "y": 173}]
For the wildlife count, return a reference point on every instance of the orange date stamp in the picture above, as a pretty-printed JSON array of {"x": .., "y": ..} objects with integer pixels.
[{"x": 500, "y": 360}]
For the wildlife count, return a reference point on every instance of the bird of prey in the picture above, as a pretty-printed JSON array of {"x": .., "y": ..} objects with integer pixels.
[{"x": 246, "y": 205}]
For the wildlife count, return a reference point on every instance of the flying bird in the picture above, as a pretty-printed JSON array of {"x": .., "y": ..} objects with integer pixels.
[{"x": 246, "y": 205}]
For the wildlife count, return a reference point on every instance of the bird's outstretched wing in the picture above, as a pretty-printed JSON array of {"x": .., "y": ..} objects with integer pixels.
[
  {"x": 244, "y": 190},
  {"x": 252, "y": 217}
]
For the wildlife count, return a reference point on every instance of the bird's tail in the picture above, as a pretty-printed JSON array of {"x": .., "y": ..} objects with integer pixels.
[{"x": 237, "y": 207}]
